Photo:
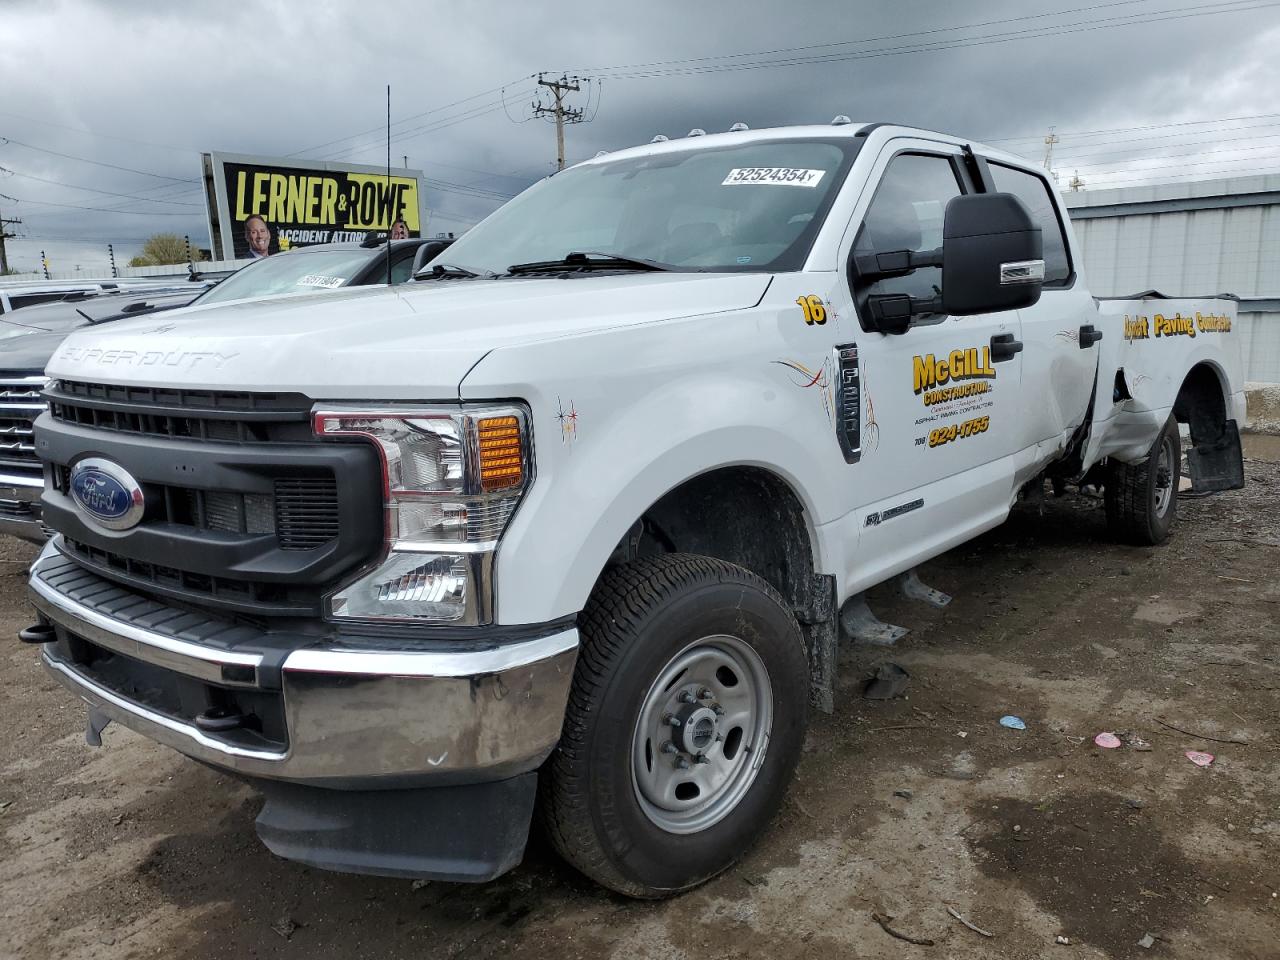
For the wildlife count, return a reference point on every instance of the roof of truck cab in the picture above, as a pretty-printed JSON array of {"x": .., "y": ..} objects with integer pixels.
[{"x": 820, "y": 131}]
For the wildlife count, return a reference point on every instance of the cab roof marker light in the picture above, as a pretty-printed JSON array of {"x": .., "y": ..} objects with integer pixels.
[
  {"x": 739, "y": 127},
  {"x": 660, "y": 138},
  {"x": 840, "y": 121},
  {"x": 697, "y": 132}
]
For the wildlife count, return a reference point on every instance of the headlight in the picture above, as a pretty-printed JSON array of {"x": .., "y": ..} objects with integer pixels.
[{"x": 451, "y": 481}]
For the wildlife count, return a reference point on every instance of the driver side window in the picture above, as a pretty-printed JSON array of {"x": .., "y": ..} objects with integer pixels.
[{"x": 906, "y": 214}]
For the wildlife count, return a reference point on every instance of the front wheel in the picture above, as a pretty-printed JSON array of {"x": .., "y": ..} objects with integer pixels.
[
  {"x": 684, "y": 725},
  {"x": 1142, "y": 498}
]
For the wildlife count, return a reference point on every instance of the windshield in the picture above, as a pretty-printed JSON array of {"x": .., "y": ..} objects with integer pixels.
[
  {"x": 290, "y": 273},
  {"x": 752, "y": 207}
]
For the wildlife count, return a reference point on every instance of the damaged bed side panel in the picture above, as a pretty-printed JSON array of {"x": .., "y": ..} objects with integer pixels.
[{"x": 1160, "y": 356}]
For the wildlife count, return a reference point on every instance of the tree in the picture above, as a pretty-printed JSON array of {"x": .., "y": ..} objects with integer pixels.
[{"x": 164, "y": 248}]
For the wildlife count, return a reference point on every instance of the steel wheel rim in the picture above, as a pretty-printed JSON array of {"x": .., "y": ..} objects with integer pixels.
[
  {"x": 1165, "y": 476},
  {"x": 721, "y": 752}
]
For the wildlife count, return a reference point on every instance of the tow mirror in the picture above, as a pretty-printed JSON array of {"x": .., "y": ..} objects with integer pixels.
[{"x": 992, "y": 255}]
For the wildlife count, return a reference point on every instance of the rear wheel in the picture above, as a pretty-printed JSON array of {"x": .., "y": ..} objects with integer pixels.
[
  {"x": 684, "y": 725},
  {"x": 1142, "y": 498}
]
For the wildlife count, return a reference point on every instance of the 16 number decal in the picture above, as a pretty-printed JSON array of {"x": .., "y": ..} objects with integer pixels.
[{"x": 815, "y": 311}]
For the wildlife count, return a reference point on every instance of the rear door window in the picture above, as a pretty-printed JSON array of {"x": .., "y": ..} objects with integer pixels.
[{"x": 1034, "y": 191}]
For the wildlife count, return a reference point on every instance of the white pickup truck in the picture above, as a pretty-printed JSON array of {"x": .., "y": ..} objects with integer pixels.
[{"x": 569, "y": 528}]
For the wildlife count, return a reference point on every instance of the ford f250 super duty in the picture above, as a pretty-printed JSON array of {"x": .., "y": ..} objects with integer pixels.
[{"x": 572, "y": 527}]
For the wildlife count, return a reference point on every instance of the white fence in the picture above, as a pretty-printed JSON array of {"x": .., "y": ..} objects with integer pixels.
[{"x": 165, "y": 271}]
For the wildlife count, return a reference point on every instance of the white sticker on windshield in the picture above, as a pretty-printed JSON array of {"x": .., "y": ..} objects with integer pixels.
[
  {"x": 319, "y": 280},
  {"x": 777, "y": 176}
]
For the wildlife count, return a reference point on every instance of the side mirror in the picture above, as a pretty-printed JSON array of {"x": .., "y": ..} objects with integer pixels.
[
  {"x": 426, "y": 253},
  {"x": 992, "y": 259},
  {"x": 992, "y": 255}
]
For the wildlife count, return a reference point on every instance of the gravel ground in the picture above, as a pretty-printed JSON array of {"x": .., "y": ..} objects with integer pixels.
[{"x": 902, "y": 808}]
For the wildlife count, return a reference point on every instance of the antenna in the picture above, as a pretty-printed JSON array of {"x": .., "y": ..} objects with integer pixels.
[{"x": 390, "y": 225}]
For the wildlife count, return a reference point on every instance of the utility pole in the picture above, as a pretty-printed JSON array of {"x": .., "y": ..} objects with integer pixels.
[
  {"x": 562, "y": 113},
  {"x": 1075, "y": 183},
  {"x": 5, "y": 235},
  {"x": 1049, "y": 141}
]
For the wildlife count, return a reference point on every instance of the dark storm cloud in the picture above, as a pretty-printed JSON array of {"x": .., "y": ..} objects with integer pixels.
[{"x": 157, "y": 84}]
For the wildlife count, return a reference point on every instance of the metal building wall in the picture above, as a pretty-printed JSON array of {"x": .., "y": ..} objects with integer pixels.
[{"x": 1191, "y": 239}]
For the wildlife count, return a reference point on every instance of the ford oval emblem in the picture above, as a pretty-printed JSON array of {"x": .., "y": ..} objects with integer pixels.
[{"x": 106, "y": 493}]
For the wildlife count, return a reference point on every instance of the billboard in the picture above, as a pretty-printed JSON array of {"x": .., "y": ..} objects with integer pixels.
[{"x": 262, "y": 205}]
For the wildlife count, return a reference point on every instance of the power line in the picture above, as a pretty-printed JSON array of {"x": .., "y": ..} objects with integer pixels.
[
  {"x": 1115, "y": 159},
  {"x": 76, "y": 206},
  {"x": 1201, "y": 174},
  {"x": 415, "y": 116},
  {"x": 95, "y": 133},
  {"x": 440, "y": 124},
  {"x": 841, "y": 43},
  {"x": 75, "y": 186},
  {"x": 1181, "y": 13},
  {"x": 99, "y": 163},
  {"x": 466, "y": 189},
  {"x": 1154, "y": 126},
  {"x": 1197, "y": 163}
]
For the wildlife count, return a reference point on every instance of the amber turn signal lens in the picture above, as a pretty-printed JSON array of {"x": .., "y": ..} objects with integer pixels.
[{"x": 501, "y": 458}]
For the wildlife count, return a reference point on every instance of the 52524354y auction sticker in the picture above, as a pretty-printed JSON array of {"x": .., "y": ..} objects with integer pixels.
[{"x": 773, "y": 176}]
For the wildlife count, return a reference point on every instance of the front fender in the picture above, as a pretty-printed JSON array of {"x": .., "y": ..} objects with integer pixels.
[{"x": 610, "y": 443}]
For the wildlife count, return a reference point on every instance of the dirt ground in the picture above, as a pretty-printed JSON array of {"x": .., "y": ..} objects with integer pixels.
[{"x": 903, "y": 808}]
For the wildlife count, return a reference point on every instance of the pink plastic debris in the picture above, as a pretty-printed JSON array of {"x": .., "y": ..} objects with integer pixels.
[
  {"x": 1200, "y": 759},
  {"x": 1108, "y": 740}
]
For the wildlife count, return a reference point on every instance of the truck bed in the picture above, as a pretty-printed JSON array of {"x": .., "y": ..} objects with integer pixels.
[{"x": 1151, "y": 346}]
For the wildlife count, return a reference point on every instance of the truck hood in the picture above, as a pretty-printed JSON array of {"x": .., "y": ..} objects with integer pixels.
[
  {"x": 29, "y": 337},
  {"x": 417, "y": 341},
  {"x": 27, "y": 349}
]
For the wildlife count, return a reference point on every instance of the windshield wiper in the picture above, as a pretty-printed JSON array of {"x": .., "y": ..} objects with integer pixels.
[
  {"x": 588, "y": 260},
  {"x": 449, "y": 271}
]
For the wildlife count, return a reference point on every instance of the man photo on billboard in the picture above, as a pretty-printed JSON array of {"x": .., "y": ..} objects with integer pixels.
[
  {"x": 258, "y": 236},
  {"x": 400, "y": 230}
]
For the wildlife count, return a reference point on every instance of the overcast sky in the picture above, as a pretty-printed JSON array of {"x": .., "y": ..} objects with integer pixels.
[{"x": 1138, "y": 91}]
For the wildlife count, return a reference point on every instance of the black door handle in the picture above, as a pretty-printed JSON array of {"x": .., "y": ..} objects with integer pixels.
[
  {"x": 1089, "y": 335},
  {"x": 1004, "y": 347}
]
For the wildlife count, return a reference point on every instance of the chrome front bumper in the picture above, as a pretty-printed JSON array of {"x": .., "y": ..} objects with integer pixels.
[
  {"x": 20, "y": 506},
  {"x": 353, "y": 713}
]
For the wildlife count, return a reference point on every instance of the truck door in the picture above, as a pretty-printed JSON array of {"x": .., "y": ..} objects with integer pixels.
[
  {"x": 1059, "y": 363},
  {"x": 941, "y": 401}
]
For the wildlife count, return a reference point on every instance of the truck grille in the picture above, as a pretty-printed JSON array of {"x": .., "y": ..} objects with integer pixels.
[
  {"x": 302, "y": 511},
  {"x": 246, "y": 510},
  {"x": 20, "y": 404},
  {"x": 225, "y": 415}
]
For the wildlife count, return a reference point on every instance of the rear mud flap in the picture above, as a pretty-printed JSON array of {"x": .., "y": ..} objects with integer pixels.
[{"x": 1218, "y": 465}]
